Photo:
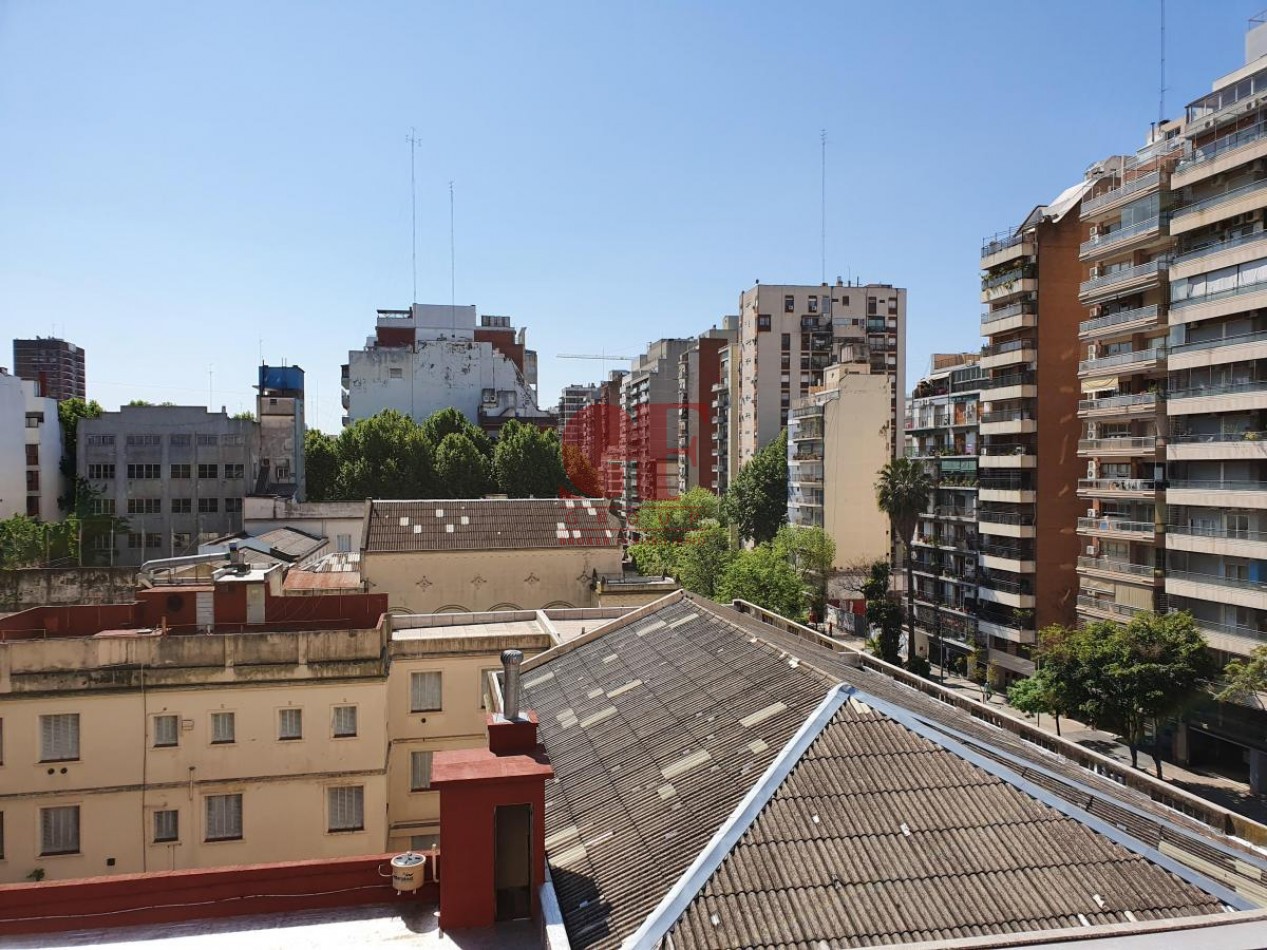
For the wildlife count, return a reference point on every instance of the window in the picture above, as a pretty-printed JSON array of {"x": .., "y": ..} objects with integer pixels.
[
  {"x": 32, "y": 481},
  {"x": 290, "y": 723},
  {"x": 344, "y": 722},
  {"x": 101, "y": 471},
  {"x": 233, "y": 505},
  {"x": 32, "y": 506},
  {"x": 419, "y": 771},
  {"x": 182, "y": 506},
  {"x": 813, "y": 304},
  {"x": 232, "y": 438},
  {"x": 234, "y": 471},
  {"x": 179, "y": 441},
  {"x": 145, "y": 506},
  {"x": 395, "y": 372},
  {"x": 180, "y": 542},
  {"x": 789, "y": 303},
  {"x": 166, "y": 731},
  {"x": 343, "y": 543},
  {"x": 283, "y": 470},
  {"x": 167, "y": 825},
  {"x": 208, "y": 470},
  {"x": 103, "y": 506},
  {"x": 32, "y": 455},
  {"x": 182, "y": 471},
  {"x": 143, "y": 440},
  {"x": 786, "y": 342},
  {"x": 224, "y": 817},
  {"x": 59, "y": 830},
  {"x": 153, "y": 540},
  {"x": 208, "y": 506},
  {"x": 34, "y": 420},
  {"x": 763, "y": 322},
  {"x": 424, "y": 842},
  {"x": 101, "y": 440},
  {"x": 145, "y": 471},
  {"x": 59, "y": 737},
  {"x": 347, "y": 808},
  {"x": 424, "y": 692},
  {"x": 208, "y": 440},
  {"x": 222, "y": 727}
]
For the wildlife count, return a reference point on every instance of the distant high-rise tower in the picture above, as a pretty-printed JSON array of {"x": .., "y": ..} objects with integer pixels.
[{"x": 56, "y": 365}]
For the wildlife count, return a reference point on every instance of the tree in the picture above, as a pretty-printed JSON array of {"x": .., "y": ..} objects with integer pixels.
[
  {"x": 672, "y": 520},
  {"x": 883, "y": 616},
  {"x": 244, "y": 416},
  {"x": 1032, "y": 695},
  {"x": 1245, "y": 678},
  {"x": 757, "y": 500},
  {"x": 451, "y": 421},
  {"x": 137, "y": 403},
  {"x": 655, "y": 558},
  {"x": 902, "y": 494},
  {"x": 69, "y": 412},
  {"x": 321, "y": 466},
  {"x": 582, "y": 478},
  {"x": 763, "y": 577},
  {"x": 528, "y": 463},
  {"x": 812, "y": 552},
  {"x": 704, "y": 557},
  {"x": 462, "y": 470},
  {"x": 29, "y": 542},
  {"x": 384, "y": 456}
]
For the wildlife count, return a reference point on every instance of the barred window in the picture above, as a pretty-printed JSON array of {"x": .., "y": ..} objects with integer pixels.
[
  {"x": 166, "y": 731},
  {"x": 224, "y": 817},
  {"x": 59, "y": 737},
  {"x": 344, "y": 721},
  {"x": 222, "y": 727},
  {"x": 347, "y": 808},
  {"x": 59, "y": 830},
  {"x": 419, "y": 771},
  {"x": 167, "y": 825},
  {"x": 424, "y": 692},
  {"x": 290, "y": 723}
]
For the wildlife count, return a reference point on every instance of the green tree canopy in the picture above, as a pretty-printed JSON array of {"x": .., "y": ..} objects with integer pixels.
[
  {"x": 69, "y": 412},
  {"x": 451, "y": 421},
  {"x": 764, "y": 577},
  {"x": 670, "y": 521},
  {"x": 703, "y": 558},
  {"x": 385, "y": 456},
  {"x": 757, "y": 500},
  {"x": 1245, "y": 678},
  {"x": 527, "y": 462},
  {"x": 321, "y": 466},
  {"x": 582, "y": 477},
  {"x": 812, "y": 552},
  {"x": 655, "y": 558},
  {"x": 884, "y": 617},
  {"x": 462, "y": 470},
  {"x": 29, "y": 542},
  {"x": 902, "y": 493}
]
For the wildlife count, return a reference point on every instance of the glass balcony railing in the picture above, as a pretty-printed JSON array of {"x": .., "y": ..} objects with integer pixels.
[
  {"x": 1115, "y": 566},
  {"x": 1011, "y": 346},
  {"x": 1220, "y": 389},
  {"x": 1009, "y": 277},
  {"x": 1001, "y": 242},
  {"x": 1143, "y": 183},
  {"x": 1104, "y": 241},
  {"x": 1110, "y": 523},
  {"x": 1108, "y": 606},
  {"x": 1117, "y": 319},
  {"x": 1123, "y": 275},
  {"x": 1027, "y": 378},
  {"x": 1123, "y": 359},
  {"x": 1128, "y": 401},
  {"x": 1219, "y": 580},
  {"x": 1117, "y": 484},
  {"x": 1214, "y": 247},
  {"x": 1217, "y": 531},
  {"x": 1189, "y": 438},
  {"x": 1123, "y": 443},
  {"x": 1025, "y": 519},
  {"x": 1213, "y": 201},
  {"x": 1257, "y": 337},
  {"x": 1223, "y": 145},
  {"x": 1006, "y": 313}
]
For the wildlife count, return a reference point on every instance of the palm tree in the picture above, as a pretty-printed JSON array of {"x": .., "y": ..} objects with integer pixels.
[{"x": 902, "y": 493}]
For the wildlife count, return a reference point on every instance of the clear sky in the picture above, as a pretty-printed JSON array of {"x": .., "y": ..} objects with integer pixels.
[{"x": 186, "y": 186}]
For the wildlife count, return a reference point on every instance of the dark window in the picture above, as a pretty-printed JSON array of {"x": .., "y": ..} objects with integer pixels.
[
  {"x": 101, "y": 471},
  {"x": 763, "y": 322},
  {"x": 789, "y": 304},
  {"x": 208, "y": 506},
  {"x": 145, "y": 471},
  {"x": 182, "y": 506},
  {"x": 234, "y": 471},
  {"x": 208, "y": 471},
  {"x": 32, "y": 455},
  {"x": 233, "y": 505},
  {"x": 182, "y": 471}
]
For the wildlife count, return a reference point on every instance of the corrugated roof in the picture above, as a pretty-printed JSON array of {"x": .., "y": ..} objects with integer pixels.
[
  {"x": 660, "y": 724},
  {"x": 484, "y": 524},
  {"x": 323, "y": 580}
]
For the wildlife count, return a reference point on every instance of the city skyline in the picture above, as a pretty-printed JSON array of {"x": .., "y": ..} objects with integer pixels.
[{"x": 200, "y": 172}]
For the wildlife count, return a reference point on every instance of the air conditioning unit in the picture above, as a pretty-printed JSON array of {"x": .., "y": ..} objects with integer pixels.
[
  {"x": 1090, "y": 550},
  {"x": 1090, "y": 512}
]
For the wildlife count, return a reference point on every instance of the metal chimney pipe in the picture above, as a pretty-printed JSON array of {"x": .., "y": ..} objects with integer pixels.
[{"x": 511, "y": 659}]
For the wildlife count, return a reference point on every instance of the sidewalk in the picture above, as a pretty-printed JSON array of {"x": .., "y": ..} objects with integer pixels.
[{"x": 1225, "y": 792}]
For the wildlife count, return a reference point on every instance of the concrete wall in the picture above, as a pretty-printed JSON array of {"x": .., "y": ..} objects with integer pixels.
[
  {"x": 856, "y": 445},
  {"x": 46, "y": 438},
  {"x": 35, "y": 587},
  {"x": 12, "y": 447},
  {"x": 487, "y": 580}
]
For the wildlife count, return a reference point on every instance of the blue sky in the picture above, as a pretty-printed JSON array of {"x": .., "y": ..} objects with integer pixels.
[{"x": 186, "y": 185}]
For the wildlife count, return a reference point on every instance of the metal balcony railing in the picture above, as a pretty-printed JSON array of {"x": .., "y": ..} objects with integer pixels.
[
  {"x": 1214, "y": 247},
  {"x": 1117, "y": 319},
  {"x": 1012, "y": 552},
  {"x": 1007, "y": 277},
  {"x": 1217, "y": 484},
  {"x": 1006, "y": 483},
  {"x": 1123, "y": 359},
  {"x": 1256, "y": 337},
  {"x": 1246, "y": 288},
  {"x": 1023, "y": 518},
  {"x": 1115, "y": 566},
  {"x": 1233, "y": 630},
  {"x": 1027, "y": 378},
  {"x": 1221, "y": 389},
  {"x": 1011, "y": 346},
  {"x": 1204, "y": 531},
  {"x": 1213, "y": 201},
  {"x": 1109, "y": 523},
  {"x": 1001, "y": 242},
  {"x": 1124, "y": 274},
  {"x": 1009, "y": 448},
  {"x": 1118, "y": 444},
  {"x": 1223, "y": 145},
  {"x": 1219, "y": 580},
  {"x": 1189, "y": 438},
  {"x": 1006, "y": 313},
  {"x": 1108, "y": 606},
  {"x": 1106, "y": 240},
  {"x": 1118, "y": 402},
  {"x": 1143, "y": 183},
  {"x": 1116, "y": 484}
]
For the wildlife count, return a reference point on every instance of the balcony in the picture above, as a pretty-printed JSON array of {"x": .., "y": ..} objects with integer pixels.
[
  {"x": 1199, "y": 252},
  {"x": 1133, "y": 361},
  {"x": 956, "y": 512},
  {"x": 1198, "y": 164},
  {"x": 1119, "y": 445},
  {"x": 1224, "y": 397},
  {"x": 1239, "y": 592},
  {"x": 1228, "y": 542},
  {"x": 1247, "y": 296},
  {"x": 1009, "y": 422},
  {"x": 1215, "y": 207},
  {"x": 1015, "y": 281},
  {"x": 1006, "y": 354},
  {"x": 1139, "y": 186},
  {"x": 1117, "y": 405},
  {"x": 1122, "y": 237},
  {"x": 1123, "y": 321},
  {"x": 1107, "y": 609},
  {"x": 1116, "y": 568},
  {"x": 1016, "y": 594},
  {"x": 1116, "y": 487},
  {"x": 1217, "y": 445},
  {"x": 1013, "y": 664},
  {"x": 1008, "y": 455},
  {"x": 1015, "y": 316},
  {"x": 1231, "y": 638},
  {"x": 1232, "y": 349},
  {"x": 1115, "y": 526},
  {"x": 1115, "y": 282},
  {"x": 1008, "y": 524}
]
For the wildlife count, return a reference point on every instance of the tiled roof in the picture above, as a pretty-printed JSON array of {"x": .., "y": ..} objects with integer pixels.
[
  {"x": 661, "y": 723},
  {"x": 484, "y": 524}
]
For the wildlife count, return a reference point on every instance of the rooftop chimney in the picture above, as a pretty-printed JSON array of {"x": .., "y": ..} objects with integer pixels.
[{"x": 511, "y": 659}]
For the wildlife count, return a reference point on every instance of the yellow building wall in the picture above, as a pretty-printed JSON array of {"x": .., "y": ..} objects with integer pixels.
[{"x": 856, "y": 445}]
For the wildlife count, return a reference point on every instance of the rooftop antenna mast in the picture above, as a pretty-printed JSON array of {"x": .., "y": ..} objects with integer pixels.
[
  {"x": 414, "y": 145},
  {"x": 823, "y": 237},
  {"x": 1161, "y": 95}
]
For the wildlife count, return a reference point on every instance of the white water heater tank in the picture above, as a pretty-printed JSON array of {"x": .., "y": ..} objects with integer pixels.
[{"x": 407, "y": 871}]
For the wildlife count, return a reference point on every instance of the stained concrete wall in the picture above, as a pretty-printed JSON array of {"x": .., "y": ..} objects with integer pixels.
[{"x": 37, "y": 587}]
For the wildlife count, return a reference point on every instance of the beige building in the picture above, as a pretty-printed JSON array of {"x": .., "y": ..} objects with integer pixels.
[
  {"x": 138, "y": 750},
  {"x": 789, "y": 334},
  {"x": 839, "y": 437},
  {"x": 459, "y": 555}
]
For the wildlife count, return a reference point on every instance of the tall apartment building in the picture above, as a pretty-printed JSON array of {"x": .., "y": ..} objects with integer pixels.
[
  {"x": 178, "y": 474},
  {"x": 45, "y": 483},
  {"x": 56, "y": 365},
  {"x": 12, "y": 445},
  {"x": 724, "y": 428},
  {"x": 1028, "y": 428},
  {"x": 789, "y": 334},
  {"x": 574, "y": 399},
  {"x": 431, "y": 357},
  {"x": 838, "y": 440},
  {"x": 649, "y": 426},
  {"x": 699, "y": 371},
  {"x": 279, "y": 405},
  {"x": 942, "y": 433},
  {"x": 1122, "y": 378}
]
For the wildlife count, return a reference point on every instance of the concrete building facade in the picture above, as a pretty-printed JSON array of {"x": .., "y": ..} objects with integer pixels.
[
  {"x": 279, "y": 409},
  {"x": 789, "y": 334},
  {"x": 699, "y": 371},
  {"x": 57, "y": 366},
  {"x": 177, "y": 474},
  {"x": 12, "y": 446},
  {"x": 649, "y": 425},
  {"x": 45, "y": 483},
  {"x": 431, "y": 357}
]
